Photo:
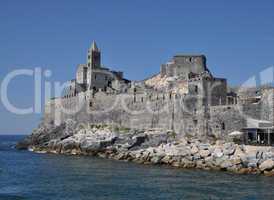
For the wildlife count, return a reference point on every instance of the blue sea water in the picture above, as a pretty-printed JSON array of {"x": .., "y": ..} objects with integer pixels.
[{"x": 25, "y": 175}]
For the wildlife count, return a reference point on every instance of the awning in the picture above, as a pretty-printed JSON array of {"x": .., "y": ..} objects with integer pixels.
[
  {"x": 255, "y": 123},
  {"x": 235, "y": 133}
]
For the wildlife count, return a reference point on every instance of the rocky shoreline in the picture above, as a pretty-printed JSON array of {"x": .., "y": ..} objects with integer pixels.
[{"x": 153, "y": 146}]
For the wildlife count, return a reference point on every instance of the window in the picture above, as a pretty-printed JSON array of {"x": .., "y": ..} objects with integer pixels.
[
  {"x": 190, "y": 59},
  {"x": 223, "y": 126},
  {"x": 196, "y": 89},
  {"x": 195, "y": 122}
]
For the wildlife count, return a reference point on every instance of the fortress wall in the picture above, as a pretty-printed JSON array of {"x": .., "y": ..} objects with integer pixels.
[
  {"x": 257, "y": 103},
  {"x": 154, "y": 110},
  {"x": 140, "y": 111},
  {"x": 213, "y": 90},
  {"x": 218, "y": 91},
  {"x": 157, "y": 110},
  {"x": 181, "y": 65},
  {"x": 261, "y": 110},
  {"x": 225, "y": 119}
]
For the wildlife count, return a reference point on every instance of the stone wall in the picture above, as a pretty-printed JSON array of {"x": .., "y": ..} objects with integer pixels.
[
  {"x": 262, "y": 109},
  {"x": 100, "y": 78},
  {"x": 182, "y": 65},
  {"x": 144, "y": 111},
  {"x": 128, "y": 110},
  {"x": 81, "y": 74},
  {"x": 225, "y": 119},
  {"x": 187, "y": 114},
  {"x": 214, "y": 90}
]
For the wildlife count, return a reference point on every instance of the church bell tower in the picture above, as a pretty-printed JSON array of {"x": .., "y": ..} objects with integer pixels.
[{"x": 94, "y": 57}]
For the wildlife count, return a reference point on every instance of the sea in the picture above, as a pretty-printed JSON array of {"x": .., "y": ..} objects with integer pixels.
[{"x": 26, "y": 175}]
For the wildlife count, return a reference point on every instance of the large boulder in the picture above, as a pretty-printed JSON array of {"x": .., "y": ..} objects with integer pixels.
[
  {"x": 176, "y": 150},
  {"x": 229, "y": 149},
  {"x": 226, "y": 164},
  {"x": 194, "y": 150},
  {"x": 267, "y": 165},
  {"x": 137, "y": 141},
  {"x": 156, "y": 159},
  {"x": 204, "y": 153},
  {"x": 218, "y": 152}
]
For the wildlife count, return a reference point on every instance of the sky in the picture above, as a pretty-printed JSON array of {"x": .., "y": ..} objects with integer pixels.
[{"x": 135, "y": 37}]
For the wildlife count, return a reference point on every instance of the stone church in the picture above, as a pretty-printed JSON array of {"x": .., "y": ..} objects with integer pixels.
[{"x": 92, "y": 76}]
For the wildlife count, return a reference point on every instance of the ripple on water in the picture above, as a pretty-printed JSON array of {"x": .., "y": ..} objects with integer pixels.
[
  {"x": 30, "y": 176},
  {"x": 11, "y": 197},
  {"x": 11, "y": 193}
]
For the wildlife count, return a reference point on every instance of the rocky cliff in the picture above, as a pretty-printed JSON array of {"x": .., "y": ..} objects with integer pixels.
[{"x": 153, "y": 146}]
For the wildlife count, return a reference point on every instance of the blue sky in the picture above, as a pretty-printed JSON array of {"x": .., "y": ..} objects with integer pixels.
[{"x": 135, "y": 36}]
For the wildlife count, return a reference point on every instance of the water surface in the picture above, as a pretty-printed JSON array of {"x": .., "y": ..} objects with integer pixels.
[{"x": 29, "y": 176}]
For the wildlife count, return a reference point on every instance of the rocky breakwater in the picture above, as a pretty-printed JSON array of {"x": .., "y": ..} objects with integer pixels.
[{"x": 153, "y": 146}]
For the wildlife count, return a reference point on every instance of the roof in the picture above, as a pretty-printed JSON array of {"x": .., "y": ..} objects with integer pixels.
[
  {"x": 261, "y": 128},
  {"x": 255, "y": 123},
  {"x": 94, "y": 46},
  {"x": 189, "y": 55}
]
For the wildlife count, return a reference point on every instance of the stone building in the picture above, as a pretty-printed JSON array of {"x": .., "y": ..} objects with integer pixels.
[
  {"x": 93, "y": 76},
  {"x": 184, "y": 97},
  {"x": 184, "y": 65}
]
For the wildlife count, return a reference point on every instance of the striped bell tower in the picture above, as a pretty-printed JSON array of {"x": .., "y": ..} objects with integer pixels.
[{"x": 94, "y": 57}]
